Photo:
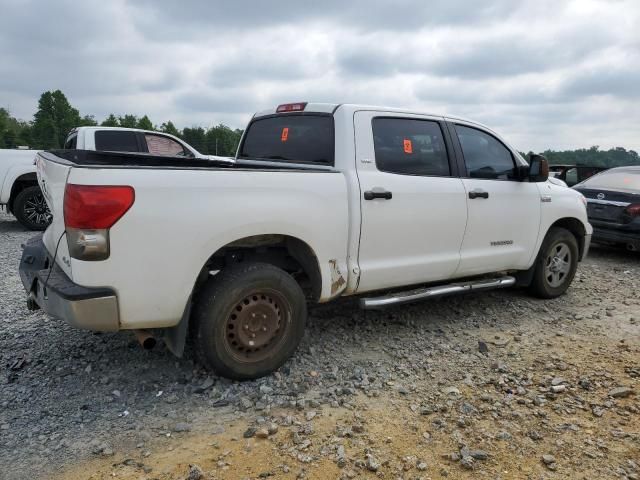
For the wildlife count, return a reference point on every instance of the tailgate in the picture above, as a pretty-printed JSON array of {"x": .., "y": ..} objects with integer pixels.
[{"x": 52, "y": 175}]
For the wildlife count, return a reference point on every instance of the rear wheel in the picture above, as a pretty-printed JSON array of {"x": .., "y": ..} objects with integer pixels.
[
  {"x": 556, "y": 264},
  {"x": 249, "y": 319},
  {"x": 31, "y": 209}
]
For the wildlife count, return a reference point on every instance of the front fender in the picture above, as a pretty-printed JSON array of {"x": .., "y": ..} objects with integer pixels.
[{"x": 558, "y": 204}]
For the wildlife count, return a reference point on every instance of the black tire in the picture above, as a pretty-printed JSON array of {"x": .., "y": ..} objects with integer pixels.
[
  {"x": 31, "y": 209},
  {"x": 556, "y": 264},
  {"x": 248, "y": 320}
]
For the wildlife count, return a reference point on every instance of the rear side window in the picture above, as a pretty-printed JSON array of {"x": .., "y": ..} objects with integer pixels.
[
  {"x": 616, "y": 180},
  {"x": 410, "y": 147},
  {"x": 164, "y": 146},
  {"x": 484, "y": 155},
  {"x": 290, "y": 138},
  {"x": 116, "y": 141}
]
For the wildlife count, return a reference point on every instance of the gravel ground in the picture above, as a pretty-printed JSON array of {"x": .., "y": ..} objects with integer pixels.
[{"x": 491, "y": 385}]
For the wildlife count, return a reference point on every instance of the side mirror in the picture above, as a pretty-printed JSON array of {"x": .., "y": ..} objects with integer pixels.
[{"x": 538, "y": 168}]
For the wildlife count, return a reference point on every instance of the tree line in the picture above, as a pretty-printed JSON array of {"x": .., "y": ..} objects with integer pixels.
[
  {"x": 594, "y": 157},
  {"x": 55, "y": 118}
]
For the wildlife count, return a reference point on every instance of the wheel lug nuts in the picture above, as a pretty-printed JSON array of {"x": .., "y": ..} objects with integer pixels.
[
  {"x": 264, "y": 329},
  {"x": 253, "y": 335},
  {"x": 246, "y": 327}
]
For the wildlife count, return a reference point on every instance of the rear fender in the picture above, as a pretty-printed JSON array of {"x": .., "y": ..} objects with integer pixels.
[{"x": 16, "y": 174}]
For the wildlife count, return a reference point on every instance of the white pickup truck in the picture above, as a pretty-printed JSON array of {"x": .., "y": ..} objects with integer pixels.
[
  {"x": 19, "y": 190},
  {"x": 133, "y": 140},
  {"x": 323, "y": 201}
]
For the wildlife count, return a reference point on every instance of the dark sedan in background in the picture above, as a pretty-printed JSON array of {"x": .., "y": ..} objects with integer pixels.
[{"x": 613, "y": 206}]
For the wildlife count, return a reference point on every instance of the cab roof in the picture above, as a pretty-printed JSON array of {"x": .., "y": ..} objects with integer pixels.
[{"x": 318, "y": 107}]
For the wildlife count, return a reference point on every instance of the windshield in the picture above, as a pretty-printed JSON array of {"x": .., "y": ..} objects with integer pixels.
[
  {"x": 304, "y": 138},
  {"x": 614, "y": 180}
]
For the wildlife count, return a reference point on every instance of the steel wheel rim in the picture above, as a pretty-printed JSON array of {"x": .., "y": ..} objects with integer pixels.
[
  {"x": 256, "y": 326},
  {"x": 557, "y": 264},
  {"x": 36, "y": 210}
]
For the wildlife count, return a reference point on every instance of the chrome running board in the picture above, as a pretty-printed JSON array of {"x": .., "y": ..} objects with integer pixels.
[{"x": 437, "y": 291}]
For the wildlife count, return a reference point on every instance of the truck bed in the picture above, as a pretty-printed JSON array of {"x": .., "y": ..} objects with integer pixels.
[
  {"x": 92, "y": 158},
  {"x": 184, "y": 211}
]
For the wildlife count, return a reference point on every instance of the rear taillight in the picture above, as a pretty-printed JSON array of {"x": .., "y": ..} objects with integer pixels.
[
  {"x": 89, "y": 212},
  {"x": 633, "y": 210},
  {"x": 291, "y": 107}
]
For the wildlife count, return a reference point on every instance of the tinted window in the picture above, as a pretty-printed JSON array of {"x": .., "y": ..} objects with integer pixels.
[
  {"x": 165, "y": 146},
  {"x": 71, "y": 142},
  {"x": 116, "y": 141},
  {"x": 484, "y": 155},
  {"x": 616, "y": 180},
  {"x": 410, "y": 147},
  {"x": 290, "y": 138}
]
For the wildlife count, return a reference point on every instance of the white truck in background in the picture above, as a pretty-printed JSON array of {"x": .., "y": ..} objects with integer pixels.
[
  {"x": 19, "y": 190},
  {"x": 133, "y": 140},
  {"x": 322, "y": 201}
]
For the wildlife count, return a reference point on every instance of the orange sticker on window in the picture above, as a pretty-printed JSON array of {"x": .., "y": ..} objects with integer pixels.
[
  {"x": 408, "y": 147},
  {"x": 285, "y": 134}
]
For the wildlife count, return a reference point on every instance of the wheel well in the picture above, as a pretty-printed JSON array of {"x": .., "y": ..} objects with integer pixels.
[
  {"x": 288, "y": 253},
  {"x": 576, "y": 227},
  {"x": 19, "y": 184}
]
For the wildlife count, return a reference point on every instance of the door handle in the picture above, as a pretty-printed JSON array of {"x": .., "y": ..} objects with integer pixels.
[
  {"x": 478, "y": 194},
  {"x": 371, "y": 194}
]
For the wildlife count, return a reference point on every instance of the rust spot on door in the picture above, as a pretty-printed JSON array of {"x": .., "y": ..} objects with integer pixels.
[{"x": 337, "y": 279}]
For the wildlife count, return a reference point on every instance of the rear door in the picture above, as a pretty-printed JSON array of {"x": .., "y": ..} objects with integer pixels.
[
  {"x": 412, "y": 202},
  {"x": 504, "y": 213}
]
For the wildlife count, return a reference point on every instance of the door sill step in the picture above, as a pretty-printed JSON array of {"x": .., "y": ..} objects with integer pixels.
[{"x": 409, "y": 296}]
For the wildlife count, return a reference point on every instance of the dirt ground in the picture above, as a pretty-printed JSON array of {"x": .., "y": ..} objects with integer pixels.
[{"x": 579, "y": 439}]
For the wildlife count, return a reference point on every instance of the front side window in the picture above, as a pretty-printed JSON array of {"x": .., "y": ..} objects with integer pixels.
[
  {"x": 116, "y": 141},
  {"x": 410, "y": 147},
  {"x": 484, "y": 155},
  {"x": 163, "y": 146}
]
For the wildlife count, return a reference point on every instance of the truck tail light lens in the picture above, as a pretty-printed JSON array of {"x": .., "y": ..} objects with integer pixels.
[
  {"x": 89, "y": 212},
  {"x": 291, "y": 107},
  {"x": 633, "y": 210}
]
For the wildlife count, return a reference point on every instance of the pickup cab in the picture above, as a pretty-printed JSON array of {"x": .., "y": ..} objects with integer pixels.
[{"x": 323, "y": 201}]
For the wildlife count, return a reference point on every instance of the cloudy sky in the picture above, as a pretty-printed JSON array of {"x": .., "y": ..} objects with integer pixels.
[{"x": 546, "y": 74}]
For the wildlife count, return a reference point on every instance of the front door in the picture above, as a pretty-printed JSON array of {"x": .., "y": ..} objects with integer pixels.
[
  {"x": 413, "y": 205},
  {"x": 504, "y": 213}
]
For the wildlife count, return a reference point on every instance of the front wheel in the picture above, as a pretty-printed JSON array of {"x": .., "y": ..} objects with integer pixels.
[
  {"x": 31, "y": 209},
  {"x": 556, "y": 264},
  {"x": 249, "y": 319}
]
